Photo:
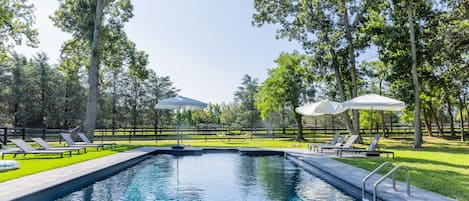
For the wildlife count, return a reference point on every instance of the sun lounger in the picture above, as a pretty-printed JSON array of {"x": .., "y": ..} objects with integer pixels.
[
  {"x": 316, "y": 147},
  {"x": 47, "y": 146},
  {"x": 68, "y": 139},
  {"x": 348, "y": 145},
  {"x": 87, "y": 141},
  {"x": 371, "y": 151},
  {"x": 311, "y": 146},
  {"x": 25, "y": 149}
]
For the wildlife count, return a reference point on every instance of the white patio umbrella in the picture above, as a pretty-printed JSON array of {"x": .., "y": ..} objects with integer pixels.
[
  {"x": 320, "y": 108},
  {"x": 373, "y": 102},
  {"x": 180, "y": 103}
]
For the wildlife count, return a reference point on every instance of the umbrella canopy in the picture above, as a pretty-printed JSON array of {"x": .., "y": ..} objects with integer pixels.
[
  {"x": 320, "y": 108},
  {"x": 180, "y": 102},
  {"x": 374, "y": 102}
]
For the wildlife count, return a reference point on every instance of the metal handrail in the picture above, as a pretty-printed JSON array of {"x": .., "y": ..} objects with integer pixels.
[
  {"x": 371, "y": 174},
  {"x": 392, "y": 172}
]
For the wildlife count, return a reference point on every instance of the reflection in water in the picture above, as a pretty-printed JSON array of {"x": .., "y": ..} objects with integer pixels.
[{"x": 223, "y": 176}]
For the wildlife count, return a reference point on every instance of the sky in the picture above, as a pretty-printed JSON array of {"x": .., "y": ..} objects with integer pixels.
[{"x": 205, "y": 46}]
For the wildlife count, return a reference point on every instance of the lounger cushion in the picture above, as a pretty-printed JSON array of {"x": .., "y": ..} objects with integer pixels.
[{"x": 8, "y": 165}]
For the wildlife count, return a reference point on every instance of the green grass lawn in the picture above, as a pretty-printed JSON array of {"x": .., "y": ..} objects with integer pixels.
[
  {"x": 31, "y": 163},
  {"x": 441, "y": 166}
]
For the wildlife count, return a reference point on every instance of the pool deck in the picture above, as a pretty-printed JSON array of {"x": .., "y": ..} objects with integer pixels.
[
  {"x": 22, "y": 187},
  {"x": 353, "y": 176}
]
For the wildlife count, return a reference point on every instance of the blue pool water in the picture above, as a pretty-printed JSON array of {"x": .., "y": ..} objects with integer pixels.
[{"x": 215, "y": 176}]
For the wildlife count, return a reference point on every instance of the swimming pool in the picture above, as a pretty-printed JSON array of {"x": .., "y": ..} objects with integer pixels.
[{"x": 214, "y": 176}]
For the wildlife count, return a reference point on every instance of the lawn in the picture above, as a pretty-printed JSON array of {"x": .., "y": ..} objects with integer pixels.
[
  {"x": 442, "y": 166},
  {"x": 31, "y": 163}
]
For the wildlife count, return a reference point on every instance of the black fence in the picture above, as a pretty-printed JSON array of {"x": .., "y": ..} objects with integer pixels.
[{"x": 201, "y": 133}]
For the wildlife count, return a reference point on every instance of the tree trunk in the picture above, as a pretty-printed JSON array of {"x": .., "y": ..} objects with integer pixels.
[
  {"x": 155, "y": 123},
  {"x": 66, "y": 104},
  {"x": 415, "y": 78},
  {"x": 437, "y": 122},
  {"x": 461, "y": 108},
  {"x": 340, "y": 85},
  {"x": 450, "y": 113},
  {"x": 467, "y": 109},
  {"x": 383, "y": 123},
  {"x": 91, "y": 104},
  {"x": 134, "y": 106},
  {"x": 428, "y": 123},
  {"x": 43, "y": 95},
  {"x": 353, "y": 73},
  {"x": 114, "y": 102},
  {"x": 299, "y": 136}
]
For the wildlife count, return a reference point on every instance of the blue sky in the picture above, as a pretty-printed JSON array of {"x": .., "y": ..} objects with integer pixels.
[{"x": 205, "y": 46}]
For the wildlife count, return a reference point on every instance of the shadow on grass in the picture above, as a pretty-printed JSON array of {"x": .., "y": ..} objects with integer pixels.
[{"x": 446, "y": 182}]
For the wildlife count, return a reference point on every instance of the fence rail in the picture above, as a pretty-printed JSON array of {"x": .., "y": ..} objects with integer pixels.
[{"x": 198, "y": 133}]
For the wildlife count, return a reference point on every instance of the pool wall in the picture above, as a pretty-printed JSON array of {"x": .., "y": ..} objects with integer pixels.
[
  {"x": 56, "y": 183},
  {"x": 339, "y": 183},
  {"x": 68, "y": 187}
]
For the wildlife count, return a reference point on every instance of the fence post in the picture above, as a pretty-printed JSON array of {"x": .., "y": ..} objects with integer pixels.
[
  {"x": 5, "y": 134},
  {"x": 23, "y": 131},
  {"x": 156, "y": 135},
  {"x": 130, "y": 137},
  {"x": 44, "y": 133}
]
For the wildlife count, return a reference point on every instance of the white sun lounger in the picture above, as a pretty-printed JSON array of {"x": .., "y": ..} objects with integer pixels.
[
  {"x": 47, "y": 146},
  {"x": 68, "y": 139},
  {"x": 25, "y": 149}
]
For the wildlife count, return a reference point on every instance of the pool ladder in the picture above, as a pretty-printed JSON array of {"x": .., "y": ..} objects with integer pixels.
[{"x": 391, "y": 173}]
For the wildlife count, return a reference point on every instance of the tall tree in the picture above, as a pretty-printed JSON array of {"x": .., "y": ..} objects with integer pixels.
[
  {"x": 245, "y": 96},
  {"x": 158, "y": 87},
  {"x": 93, "y": 21},
  {"x": 415, "y": 79},
  {"x": 324, "y": 26},
  {"x": 289, "y": 84}
]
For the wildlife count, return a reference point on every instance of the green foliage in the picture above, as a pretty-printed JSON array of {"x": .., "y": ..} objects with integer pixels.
[
  {"x": 249, "y": 115},
  {"x": 287, "y": 85},
  {"x": 16, "y": 25}
]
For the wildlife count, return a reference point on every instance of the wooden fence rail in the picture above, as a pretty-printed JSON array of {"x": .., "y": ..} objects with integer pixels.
[{"x": 197, "y": 133}]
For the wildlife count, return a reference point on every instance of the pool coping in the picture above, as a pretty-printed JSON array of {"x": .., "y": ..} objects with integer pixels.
[{"x": 61, "y": 181}]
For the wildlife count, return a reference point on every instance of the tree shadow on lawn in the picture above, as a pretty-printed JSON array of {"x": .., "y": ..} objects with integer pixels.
[
  {"x": 432, "y": 162},
  {"x": 449, "y": 183},
  {"x": 441, "y": 149},
  {"x": 446, "y": 182}
]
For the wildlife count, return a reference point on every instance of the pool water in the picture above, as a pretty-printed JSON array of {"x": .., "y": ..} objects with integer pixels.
[{"x": 214, "y": 176}]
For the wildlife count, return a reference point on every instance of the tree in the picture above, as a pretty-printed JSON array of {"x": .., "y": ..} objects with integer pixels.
[
  {"x": 415, "y": 79},
  {"x": 245, "y": 96},
  {"x": 289, "y": 84},
  {"x": 94, "y": 23},
  {"x": 16, "y": 25},
  {"x": 158, "y": 87},
  {"x": 322, "y": 27}
]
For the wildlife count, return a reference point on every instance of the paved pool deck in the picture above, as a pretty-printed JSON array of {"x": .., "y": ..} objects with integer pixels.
[
  {"x": 28, "y": 185},
  {"x": 24, "y": 186},
  {"x": 353, "y": 176}
]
